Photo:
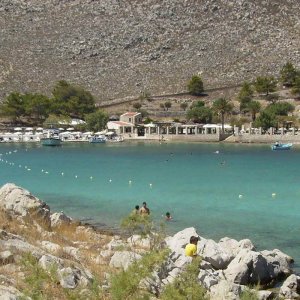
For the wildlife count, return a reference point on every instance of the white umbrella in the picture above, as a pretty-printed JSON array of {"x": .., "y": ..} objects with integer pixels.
[
  {"x": 88, "y": 133},
  {"x": 39, "y": 128},
  {"x": 29, "y": 129},
  {"x": 70, "y": 129},
  {"x": 109, "y": 133},
  {"x": 65, "y": 133},
  {"x": 61, "y": 129},
  {"x": 17, "y": 129}
]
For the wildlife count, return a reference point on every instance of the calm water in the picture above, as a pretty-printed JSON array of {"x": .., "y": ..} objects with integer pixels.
[{"x": 199, "y": 187}]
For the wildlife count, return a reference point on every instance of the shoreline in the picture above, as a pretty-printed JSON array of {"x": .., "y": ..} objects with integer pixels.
[{"x": 249, "y": 140}]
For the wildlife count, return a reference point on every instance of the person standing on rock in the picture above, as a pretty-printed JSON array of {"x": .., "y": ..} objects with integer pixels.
[{"x": 191, "y": 248}]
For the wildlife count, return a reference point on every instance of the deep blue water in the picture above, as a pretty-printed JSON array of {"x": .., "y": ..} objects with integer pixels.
[{"x": 199, "y": 187}]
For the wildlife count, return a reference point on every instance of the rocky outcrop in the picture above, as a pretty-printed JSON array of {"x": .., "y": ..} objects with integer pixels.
[
  {"x": 229, "y": 266},
  {"x": 59, "y": 219},
  {"x": 117, "y": 49},
  {"x": 123, "y": 259},
  {"x": 226, "y": 269},
  {"x": 291, "y": 287},
  {"x": 20, "y": 202}
]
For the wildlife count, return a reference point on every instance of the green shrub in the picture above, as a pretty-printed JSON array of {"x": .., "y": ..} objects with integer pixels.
[
  {"x": 126, "y": 284},
  {"x": 249, "y": 295},
  {"x": 186, "y": 285}
]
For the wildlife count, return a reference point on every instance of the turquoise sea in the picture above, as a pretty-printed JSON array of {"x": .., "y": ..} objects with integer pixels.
[{"x": 243, "y": 191}]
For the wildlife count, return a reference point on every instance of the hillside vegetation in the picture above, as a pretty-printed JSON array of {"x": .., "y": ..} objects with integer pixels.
[{"x": 118, "y": 49}]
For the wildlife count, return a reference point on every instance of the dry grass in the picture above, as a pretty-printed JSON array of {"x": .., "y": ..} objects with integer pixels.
[{"x": 86, "y": 239}]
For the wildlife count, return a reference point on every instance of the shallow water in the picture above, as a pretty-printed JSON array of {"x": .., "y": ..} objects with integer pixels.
[{"x": 199, "y": 187}]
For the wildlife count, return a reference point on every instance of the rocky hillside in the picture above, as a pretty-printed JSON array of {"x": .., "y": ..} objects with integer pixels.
[
  {"x": 118, "y": 48},
  {"x": 46, "y": 255}
]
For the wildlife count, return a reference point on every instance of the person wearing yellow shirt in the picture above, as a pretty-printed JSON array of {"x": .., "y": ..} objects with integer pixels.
[{"x": 191, "y": 248}]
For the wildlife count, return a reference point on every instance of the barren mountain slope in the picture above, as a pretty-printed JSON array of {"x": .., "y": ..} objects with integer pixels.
[{"x": 118, "y": 48}]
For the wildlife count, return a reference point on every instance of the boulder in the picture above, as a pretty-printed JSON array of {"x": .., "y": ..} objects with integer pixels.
[
  {"x": 18, "y": 201},
  {"x": 59, "y": 219},
  {"x": 208, "y": 278},
  {"x": 9, "y": 293},
  {"x": 73, "y": 252},
  {"x": 178, "y": 241},
  {"x": 212, "y": 252},
  {"x": 280, "y": 261},
  {"x": 48, "y": 261},
  {"x": 249, "y": 267},
  {"x": 290, "y": 289},
  {"x": 264, "y": 295},
  {"x": 232, "y": 247},
  {"x": 51, "y": 247},
  {"x": 138, "y": 241},
  {"x": 116, "y": 244},
  {"x": 225, "y": 290},
  {"x": 123, "y": 259},
  {"x": 6, "y": 257},
  {"x": 19, "y": 245},
  {"x": 70, "y": 278}
]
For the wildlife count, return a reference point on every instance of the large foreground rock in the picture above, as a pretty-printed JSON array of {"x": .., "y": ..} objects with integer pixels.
[
  {"x": 291, "y": 288},
  {"x": 18, "y": 201},
  {"x": 250, "y": 267}
]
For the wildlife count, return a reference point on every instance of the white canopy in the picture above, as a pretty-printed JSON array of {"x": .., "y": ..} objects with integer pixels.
[
  {"x": 226, "y": 126},
  {"x": 109, "y": 133},
  {"x": 70, "y": 129},
  {"x": 17, "y": 129},
  {"x": 88, "y": 133},
  {"x": 65, "y": 133},
  {"x": 150, "y": 125},
  {"x": 40, "y": 128},
  {"x": 29, "y": 129}
]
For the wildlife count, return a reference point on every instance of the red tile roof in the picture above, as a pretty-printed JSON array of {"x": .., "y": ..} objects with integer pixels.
[
  {"x": 130, "y": 114},
  {"x": 121, "y": 123}
]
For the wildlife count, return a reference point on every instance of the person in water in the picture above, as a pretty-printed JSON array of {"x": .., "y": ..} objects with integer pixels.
[
  {"x": 144, "y": 210},
  {"x": 135, "y": 211},
  {"x": 168, "y": 216},
  {"x": 191, "y": 248}
]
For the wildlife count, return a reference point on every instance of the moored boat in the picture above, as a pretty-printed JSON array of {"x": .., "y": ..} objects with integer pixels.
[
  {"x": 51, "y": 141},
  {"x": 52, "y": 138},
  {"x": 279, "y": 146},
  {"x": 97, "y": 139}
]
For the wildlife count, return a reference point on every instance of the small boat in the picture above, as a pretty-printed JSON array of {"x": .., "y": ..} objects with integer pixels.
[
  {"x": 51, "y": 141},
  {"x": 97, "y": 139},
  {"x": 279, "y": 146}
]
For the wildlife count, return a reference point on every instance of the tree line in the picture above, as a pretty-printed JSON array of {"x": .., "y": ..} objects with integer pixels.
[{"x": 67, "y": 101}]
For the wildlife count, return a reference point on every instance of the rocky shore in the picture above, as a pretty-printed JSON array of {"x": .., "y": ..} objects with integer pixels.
[{"x": 51, "y": 254}]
